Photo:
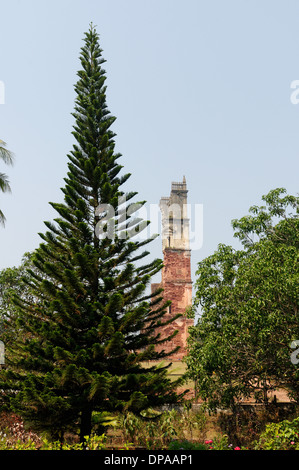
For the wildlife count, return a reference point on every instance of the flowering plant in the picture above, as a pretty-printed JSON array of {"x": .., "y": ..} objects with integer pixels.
[
  {"x": 280, "y": 436},
  {"x": 220, "y": 443}
]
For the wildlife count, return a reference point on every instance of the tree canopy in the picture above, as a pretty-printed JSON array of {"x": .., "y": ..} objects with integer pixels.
[{"x": 249, "y": 301}]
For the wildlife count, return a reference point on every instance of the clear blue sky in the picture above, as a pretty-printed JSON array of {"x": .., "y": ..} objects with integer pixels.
[{"x": 199, "y": 88}]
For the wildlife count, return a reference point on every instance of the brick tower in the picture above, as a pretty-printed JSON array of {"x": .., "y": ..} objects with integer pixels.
[{"x": 176, "y": 273}]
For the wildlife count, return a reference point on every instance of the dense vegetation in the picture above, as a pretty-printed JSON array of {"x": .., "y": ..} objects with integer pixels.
[
  {"x": 242, "y": 344},
  {"x": 79, "y": 322}
]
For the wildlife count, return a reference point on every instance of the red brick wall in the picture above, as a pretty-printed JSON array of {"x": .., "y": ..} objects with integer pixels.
[{"x": 177, "y": 285}]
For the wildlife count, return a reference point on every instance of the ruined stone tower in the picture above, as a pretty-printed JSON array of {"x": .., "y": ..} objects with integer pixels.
[{"x": 176, "y": 273}]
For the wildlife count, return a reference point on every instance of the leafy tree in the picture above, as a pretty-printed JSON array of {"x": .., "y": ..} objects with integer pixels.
[
  {"x": 89, "y": 326},
  {"x": 7, "y": 157},
  {"x": 240, "y": 346},
  {"x": 12, "y": 283}
]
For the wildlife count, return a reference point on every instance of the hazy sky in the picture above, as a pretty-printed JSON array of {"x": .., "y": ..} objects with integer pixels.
[{"x": 199, "y": 88}]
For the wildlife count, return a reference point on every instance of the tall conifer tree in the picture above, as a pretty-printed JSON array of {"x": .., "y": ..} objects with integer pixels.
[{"x": 89, "y": 323}]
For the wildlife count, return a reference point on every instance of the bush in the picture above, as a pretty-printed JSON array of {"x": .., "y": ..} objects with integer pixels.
[
  {"x": 149, "y": 433},
  {"x": 244, "y": 426},
  {"x": 280, "y": 436},
  {"x": 13, "y": 433},
  {"x": 156, "y": 431},
  {"x": 92, "y": 443},
  {"x": 221, "y": 443},
  {"x": 186, "y": 445}
]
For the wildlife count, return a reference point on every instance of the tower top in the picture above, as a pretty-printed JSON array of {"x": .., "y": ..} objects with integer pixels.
[
  {"x": 179, "y": 186},
  {"x": 175, "y": 222}
]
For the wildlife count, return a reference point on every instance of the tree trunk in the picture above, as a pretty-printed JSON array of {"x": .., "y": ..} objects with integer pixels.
[{"x": 85, "y": 424}]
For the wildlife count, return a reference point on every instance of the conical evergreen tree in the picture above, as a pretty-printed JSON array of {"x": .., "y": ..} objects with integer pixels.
[{"x": 89, "y": 323}]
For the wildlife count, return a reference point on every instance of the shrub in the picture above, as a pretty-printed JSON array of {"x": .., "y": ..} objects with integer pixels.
[
  {"x": 186, "y": 445},
  {"x": 156, "y": 430},
  {"x": 244, "y": 426},
  {"x": 13, "y": 433},
  {"x": 92, "y": 443},
  {"x": 221, "y": 443},
  {"x": 149, "y": 433},
  {"x": 280, "y": 436}
]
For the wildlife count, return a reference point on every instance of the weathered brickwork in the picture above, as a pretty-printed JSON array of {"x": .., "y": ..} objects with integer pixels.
[{"x": 176, "y": 273}]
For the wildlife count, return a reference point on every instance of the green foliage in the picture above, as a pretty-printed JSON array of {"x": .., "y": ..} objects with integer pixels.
[
  {"x": 28, "y": 445},
  {"x": 280, "y": 436},
  {"x": 186, "y": 445},
  {"x": 101, "y": 421},
  {"x": 152, "y": 429},
  {"x": 88, "y": 322},
  {"x": 91, "y": 443},
  {"x": 221, "y": 443},
  {"x": 11, "y": 282},
  {"x": 245, "y": 424},
  {"x": 158, "y": 430},
  {"x": 149, "y": 433},
  {"x": 249, "y": 301}
]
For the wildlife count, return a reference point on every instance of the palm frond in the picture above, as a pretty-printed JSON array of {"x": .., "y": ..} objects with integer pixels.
[
  {"x": 5, "y": 154},
  {"x": 4, "y": 184}
]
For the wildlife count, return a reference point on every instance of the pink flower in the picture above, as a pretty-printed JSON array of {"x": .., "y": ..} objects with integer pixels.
[
  {"x": 237, "y": 448},
  {"x": 209, "y": 442}
]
